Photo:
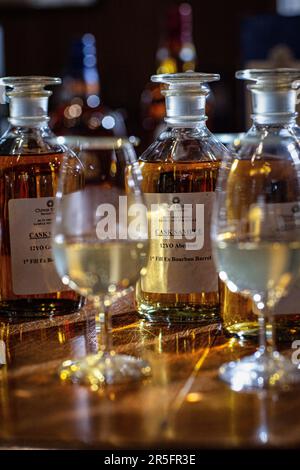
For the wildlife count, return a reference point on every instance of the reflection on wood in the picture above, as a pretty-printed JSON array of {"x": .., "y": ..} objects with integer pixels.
[{"x": 182, "y": 405}]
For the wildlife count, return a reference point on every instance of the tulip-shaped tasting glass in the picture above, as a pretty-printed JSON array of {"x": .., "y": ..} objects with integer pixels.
[
  {"x": 100, "y": 247},
  {"x": 256, "y": 221}
]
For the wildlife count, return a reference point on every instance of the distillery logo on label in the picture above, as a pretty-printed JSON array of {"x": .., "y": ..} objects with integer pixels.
[
  {"x": 48, "y": 210},
  {"x": 159, "y": 221}
]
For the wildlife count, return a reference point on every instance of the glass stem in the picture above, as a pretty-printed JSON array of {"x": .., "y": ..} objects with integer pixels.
[
  {"x": 103, "y": 325},
  {"x": 266, "y": 331}
]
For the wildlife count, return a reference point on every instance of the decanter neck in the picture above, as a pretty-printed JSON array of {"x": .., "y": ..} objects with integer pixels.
[
  {"x": 185, "y": 109},
  {"x": 185, "y": 95},
  {"x": 273, "y": 106},
  {"x": 31, "y": 111}
]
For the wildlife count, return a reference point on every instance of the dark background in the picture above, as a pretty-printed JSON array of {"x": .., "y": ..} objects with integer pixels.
[{"x": 127, "y": 33}]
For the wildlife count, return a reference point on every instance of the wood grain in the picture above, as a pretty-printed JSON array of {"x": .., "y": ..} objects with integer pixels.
[{"x": 183, "y": 405}]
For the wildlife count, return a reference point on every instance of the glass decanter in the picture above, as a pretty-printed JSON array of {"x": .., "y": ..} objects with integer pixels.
[
  {"x": 256, "y": 224},
  {"x": 30, "y": 160},
  {"x": 179, "y": 169}
]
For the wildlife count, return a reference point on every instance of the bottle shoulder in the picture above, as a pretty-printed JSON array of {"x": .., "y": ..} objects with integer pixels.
[
  {"x": 184, "y": 145},
  {"x": 271, "y": 141},
  {"x": 29, "y": 141}
]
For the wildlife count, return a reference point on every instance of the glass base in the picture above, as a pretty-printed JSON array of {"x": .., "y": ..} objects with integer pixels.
[
  {"x": 260, "y": 371},
  {"x": 179, "y": 314},
  {"x": 287, "y": 330},
  {"x": 245, "y": 330},
  {"x": 97, "y": 370},
  {"x": 34, "y": 308}
]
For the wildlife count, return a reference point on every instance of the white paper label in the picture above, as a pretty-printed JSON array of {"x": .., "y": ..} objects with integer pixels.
[
  {"x": 274, "y": 219},
  {"x": 33, "y": 270},
  {"x": 289, "y": 215},
  {"x": 180, "y": 259}
]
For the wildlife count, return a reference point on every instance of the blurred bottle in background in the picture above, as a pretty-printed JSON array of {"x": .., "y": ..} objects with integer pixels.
[
  {"x": 80, "y": 109},
  {"x": 176, "y": 53},
  {"x": 288, "y": 7}
]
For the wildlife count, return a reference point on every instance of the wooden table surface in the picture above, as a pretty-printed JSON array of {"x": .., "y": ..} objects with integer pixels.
[{"x": 183, "y": 405}]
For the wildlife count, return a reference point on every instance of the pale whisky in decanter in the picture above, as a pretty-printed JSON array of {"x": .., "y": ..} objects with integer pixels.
[
  {"x": 268, "y": 156},
  {"x": 179, "y": 171}
]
